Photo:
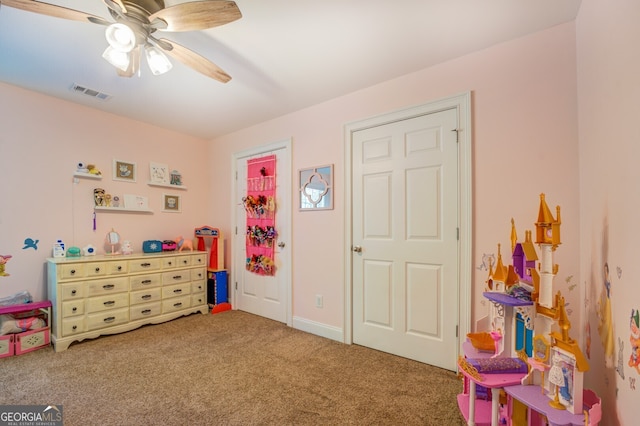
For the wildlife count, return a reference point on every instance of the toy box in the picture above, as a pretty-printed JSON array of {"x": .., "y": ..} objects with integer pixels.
[
  {"x": 152, "y": 246},
  {"x": 6, "y": 346},
  {"x": 31, "y": 340}
]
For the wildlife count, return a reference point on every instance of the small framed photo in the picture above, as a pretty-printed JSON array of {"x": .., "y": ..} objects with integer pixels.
[
  {"x": 171, "y": 203},
  {"x": 124, "y": 171},
  {"x": 159, "y": 173}
]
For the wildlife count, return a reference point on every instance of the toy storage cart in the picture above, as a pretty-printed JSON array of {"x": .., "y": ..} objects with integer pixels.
[{"x": 30, "y": 340}]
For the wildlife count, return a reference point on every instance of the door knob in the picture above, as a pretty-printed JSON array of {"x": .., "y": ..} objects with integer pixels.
[
  {"x": 357, "y": 249},
  {"x": 281, "y": 244}
]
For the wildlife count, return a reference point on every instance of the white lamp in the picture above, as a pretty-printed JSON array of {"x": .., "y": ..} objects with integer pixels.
[
  {"x": 158, "y": 61},
  {"x": 118, "y": 59},
  {"x": 556, "y": 377},
  {"x": 121, "y": 37}
]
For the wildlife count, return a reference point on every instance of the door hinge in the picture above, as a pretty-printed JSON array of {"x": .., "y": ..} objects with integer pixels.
[
  {"x": 457, "y": 134},
  {"x": 458, "y": 234},
  {"x": 456, "y": 331},
  {"x": 237, "y": 287}
]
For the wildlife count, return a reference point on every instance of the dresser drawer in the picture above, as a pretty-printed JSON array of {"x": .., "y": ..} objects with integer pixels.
[
  {"x": 198, "y": 274},
  {"x": 174, "y": 277},
  {"x": 72, "y": 307},
  {"x": 142, "y": 265},
  {"x": 97, "y": 269},
  {"x": 198, "y": 286},
  {"x": 144, "y": 296},
  {"x": 169, "y": 262},
  {"x": 184, "y": 261},
  {"x": 176, "y": 290},
  {"x": 198, "y": 299},
  {"x": 176, "y": 304},
  {"x": 108, "y": 286},
  {"x": 139, "y": 282},
  {"x": 144, "y": 311},
  {"x": 110, "y": 301},
  {"x": 72, "y": 291},
  {"x": 117, "y": 267},
  {"x": 107, "y": 319},
  {"x": 72, "y": 270},
  {"x": 73, "y": 325},
  {"x": 199, "y": 259}
]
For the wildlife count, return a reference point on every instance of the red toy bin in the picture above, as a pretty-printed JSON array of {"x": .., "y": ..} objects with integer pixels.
[
  {"x": 6, "y": 345},
  {"x": 31, "y": 340}
]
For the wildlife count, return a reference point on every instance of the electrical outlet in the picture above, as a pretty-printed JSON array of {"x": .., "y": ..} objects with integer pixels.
[{"x": 318, "y": 301}]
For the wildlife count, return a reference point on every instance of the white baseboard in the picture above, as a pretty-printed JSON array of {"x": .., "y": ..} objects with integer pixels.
[{"x": 319, "y": 329}]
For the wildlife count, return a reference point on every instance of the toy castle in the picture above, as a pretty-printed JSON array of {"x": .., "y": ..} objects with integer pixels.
[{"x": 527, "y": 318}]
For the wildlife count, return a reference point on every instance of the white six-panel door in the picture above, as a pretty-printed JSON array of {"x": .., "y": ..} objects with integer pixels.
[{"x": 405, "y": 238}]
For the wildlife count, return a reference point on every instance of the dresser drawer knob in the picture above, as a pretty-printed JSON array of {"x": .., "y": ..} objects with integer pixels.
[
  {"x": 145, "y": 265},
  {"x": 73, "y": 271},
  {"x": 75, "y": 308},
  {"x": 75, "y": 327},
  {"x": 177, "y": 277},
  {"x": 109, "y": 319},
  {"x": 146, "y": 312},
  {"x": 146, "y": 297},
  {"x": 109, "y": 303},
  {"x": 108, "y": 286},
  {"x": 177, "y": 291},
  {"x": 177, "y": 305},
  {"x": 97, "y": 270},
  {"x": 145, "y": 282},
  {"x": 73, "y": 292},
  {"x": 119, "y": 268}
]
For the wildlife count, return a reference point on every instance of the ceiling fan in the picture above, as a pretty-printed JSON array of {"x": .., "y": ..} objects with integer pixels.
[{"x": 136, "y": 22}]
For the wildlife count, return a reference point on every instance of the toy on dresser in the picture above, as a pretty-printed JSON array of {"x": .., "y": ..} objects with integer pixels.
[{"x": 527, "y": 321}]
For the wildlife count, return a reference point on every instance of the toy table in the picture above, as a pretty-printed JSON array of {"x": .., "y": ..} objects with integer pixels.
[
  {"x": 531, "y": 396},
  {"x": 478, "y": 412}
]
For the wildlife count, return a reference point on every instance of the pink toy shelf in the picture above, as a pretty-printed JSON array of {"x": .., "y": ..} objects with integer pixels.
[
  {"x": 539, "y": 412},
  {"x": 30, "y": 340}
]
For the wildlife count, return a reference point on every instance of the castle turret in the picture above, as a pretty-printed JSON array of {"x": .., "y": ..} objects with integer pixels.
[{"x": 547, "y": 228}]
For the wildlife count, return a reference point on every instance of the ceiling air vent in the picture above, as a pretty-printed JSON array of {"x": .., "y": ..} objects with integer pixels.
[{"x": 90, "y": 92}]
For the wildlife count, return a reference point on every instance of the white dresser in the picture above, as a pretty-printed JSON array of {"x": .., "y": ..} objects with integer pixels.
[{"x": 97, "y": 295}]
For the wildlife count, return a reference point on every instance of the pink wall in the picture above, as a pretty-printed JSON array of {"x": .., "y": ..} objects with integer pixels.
[
  {"x": 41, "y": 140},
  {"x": 608, "y": 74},
  {"x": 525, "y": 143}
]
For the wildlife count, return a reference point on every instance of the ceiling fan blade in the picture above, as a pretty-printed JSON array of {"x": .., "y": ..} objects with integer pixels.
[
  {"x": 192, "y": 59},
  {"x": 53, "y": 10},
  {"x": 116, "y": 5},
  {"x": 197, "y": 15},
  {"x": 134, "y": 64}
]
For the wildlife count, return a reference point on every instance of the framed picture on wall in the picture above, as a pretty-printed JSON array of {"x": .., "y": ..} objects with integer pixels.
[
  {"x": 159, "y": 173},
  {"x": 171, "y": 203},
  {"x": 124, "y": 171}
]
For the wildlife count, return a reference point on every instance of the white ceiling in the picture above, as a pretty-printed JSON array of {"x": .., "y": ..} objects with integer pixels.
[{"x": 283, "y": 55}]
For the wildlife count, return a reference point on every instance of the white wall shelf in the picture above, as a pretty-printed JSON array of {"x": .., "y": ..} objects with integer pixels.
[
  {"x": 162, "y": 185},
  {"x": 87, "y": 176},
  {"x": 121, "y": 210}
]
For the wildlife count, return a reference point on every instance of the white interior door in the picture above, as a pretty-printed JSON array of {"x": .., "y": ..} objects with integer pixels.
[
  {"x": 267, "y": 296},
  {"x": 405, "y": 238}
]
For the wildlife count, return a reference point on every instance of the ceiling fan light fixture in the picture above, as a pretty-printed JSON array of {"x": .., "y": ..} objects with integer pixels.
[
  {"x": 117, "y": 58},
  {"x": 157, "y": 61},
  {"x": 121, "y": 37}
]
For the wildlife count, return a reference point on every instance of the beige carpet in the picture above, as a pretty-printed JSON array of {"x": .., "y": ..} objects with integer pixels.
[{"x": 231, "y": 368}]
